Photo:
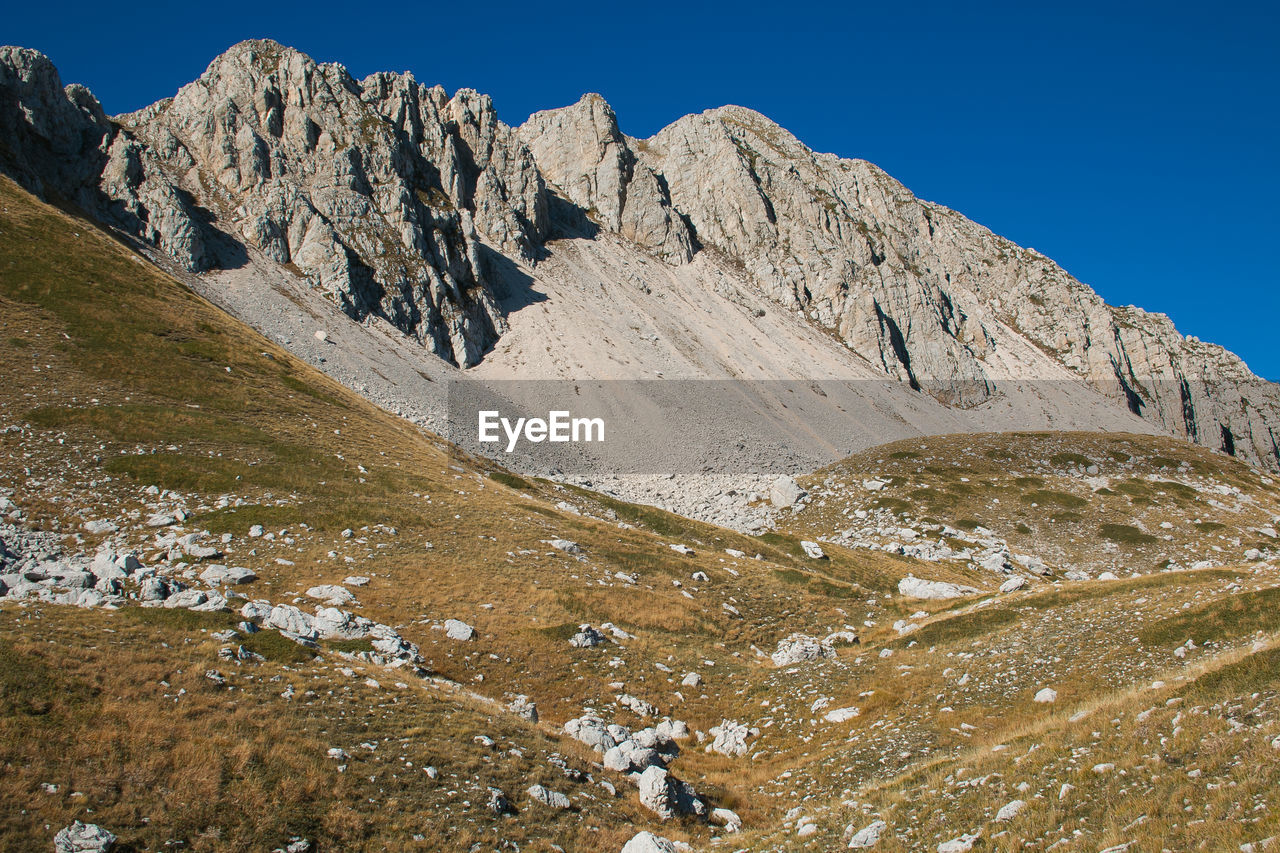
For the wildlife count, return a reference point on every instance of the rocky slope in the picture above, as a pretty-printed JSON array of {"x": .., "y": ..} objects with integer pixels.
[{"x": 401, "y": 203}]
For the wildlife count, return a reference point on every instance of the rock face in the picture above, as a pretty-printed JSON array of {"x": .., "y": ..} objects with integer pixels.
[
  {"x": 376, "y": 190},
  {"x": 581, "y": 151},
  {"x": 399, "y": 202},
  {"x": 935, "y": 299}
]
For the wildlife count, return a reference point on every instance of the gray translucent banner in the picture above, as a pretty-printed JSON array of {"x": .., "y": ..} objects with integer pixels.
[{"x": 595, "y": 428}]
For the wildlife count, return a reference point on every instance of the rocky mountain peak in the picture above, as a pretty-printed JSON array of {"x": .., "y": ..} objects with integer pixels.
[
  {"x": 400, "y": 202},
  {"x": 581, "y": 151}
]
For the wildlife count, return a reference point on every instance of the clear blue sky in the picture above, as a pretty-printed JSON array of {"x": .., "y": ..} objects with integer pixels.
[{"x": 1136, "y": 144}]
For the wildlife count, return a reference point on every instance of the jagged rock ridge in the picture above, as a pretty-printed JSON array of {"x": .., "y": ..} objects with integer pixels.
[{"x": 400, "y": 202}]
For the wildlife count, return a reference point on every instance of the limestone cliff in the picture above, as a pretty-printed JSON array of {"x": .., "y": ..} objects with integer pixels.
[{"x": 401, "y": 202}]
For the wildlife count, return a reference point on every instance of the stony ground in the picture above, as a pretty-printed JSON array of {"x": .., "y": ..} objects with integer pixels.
[{"x": 244, "y": 609}]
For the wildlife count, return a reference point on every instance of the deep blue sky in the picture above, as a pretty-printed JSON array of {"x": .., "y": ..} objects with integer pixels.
[{"x": 1136, "y": 144}]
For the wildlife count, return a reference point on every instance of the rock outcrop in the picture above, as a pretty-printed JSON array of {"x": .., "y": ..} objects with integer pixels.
[
  {"x": 378, "y": 191},
  {"x": 580, "y": 150}
]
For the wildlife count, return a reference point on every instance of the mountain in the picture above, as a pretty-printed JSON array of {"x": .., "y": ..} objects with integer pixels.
[{"x": 402, "y": 204}]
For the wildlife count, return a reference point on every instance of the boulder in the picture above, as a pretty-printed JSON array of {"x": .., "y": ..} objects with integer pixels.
[
  {"x": 868, "y": 836},
  {"x": 586, "y": 638},
  {"x": 727, "y": 819},
  {"x": 187, "y": 598},
  {"x": 289, "y": 619},
  {"x": 637, "y": 706},
  {"x": 593, "y": 732},
  {"x": 521, "y": 706},
  {"x": 914, "y": 587},
  {"x": 257, "y": 612},
  {"x": 566, "y": 545},
  {"x": 78, "y": 580},
  {"x": 456, "y": 629},
  {"x": 729, "y": 738},
  {"x": 841, "y": 715},
  {"x": 670, "y": 730},
  {"x": 549, "y": 798},
  {"x": 647, "y": 842},
  {"x": 1047, "y": 695},
  {"x": 84, "y": 838},
  {"x": 667, "y": 796},
  {"x": 1013, "y": 584},
  {"x": 1010, "y": 810},
  {"x": 961, "y": 844},
  {"x": 785, "y": 492},
  {"x": 218, "y": 575},
  {"x": 154, "y": 589},
  {"x": 797, "y": 648},
  {"x": 331, "y": 594},
  {"x": 330, "y": 623},
  {"x": 629, "y": 756},
  {"x": 813, "y": 550}
]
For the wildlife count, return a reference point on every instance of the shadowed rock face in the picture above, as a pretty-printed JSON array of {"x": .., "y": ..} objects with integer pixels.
[
  {"x": 374, "y": 190},
  {"x": 400, "y": 202}
]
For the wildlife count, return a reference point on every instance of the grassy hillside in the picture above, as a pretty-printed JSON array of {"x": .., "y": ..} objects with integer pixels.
[
  {"x": 117, "y": 379},
  {"x": 124, "y": 395},
  {"x": 1090, "y": 501}
]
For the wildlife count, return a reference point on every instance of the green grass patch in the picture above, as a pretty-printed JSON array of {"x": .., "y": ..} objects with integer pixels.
[
  {"x": 832, "y": 590},
  {"x": 1068, "y": 460},
  {"x": 1255, "y": 672},
  {"x": 31, "y": 686},
  {"x": 559, "y": 633},
  {"x": 351, "y": 647},
  {"x": 272, "y": 645},
  {"x": 953, "y": 629},
  {"x": 782, "y": 543},
  {"x": 1233, "y": 616},
  {"x": 897, "y": 505},
  {"x": 1125, "y": 534},
  {"x": 511, "y": 481},
  {"x": 1051, "y": 498},
  {"x": 791, "y": 576}
]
